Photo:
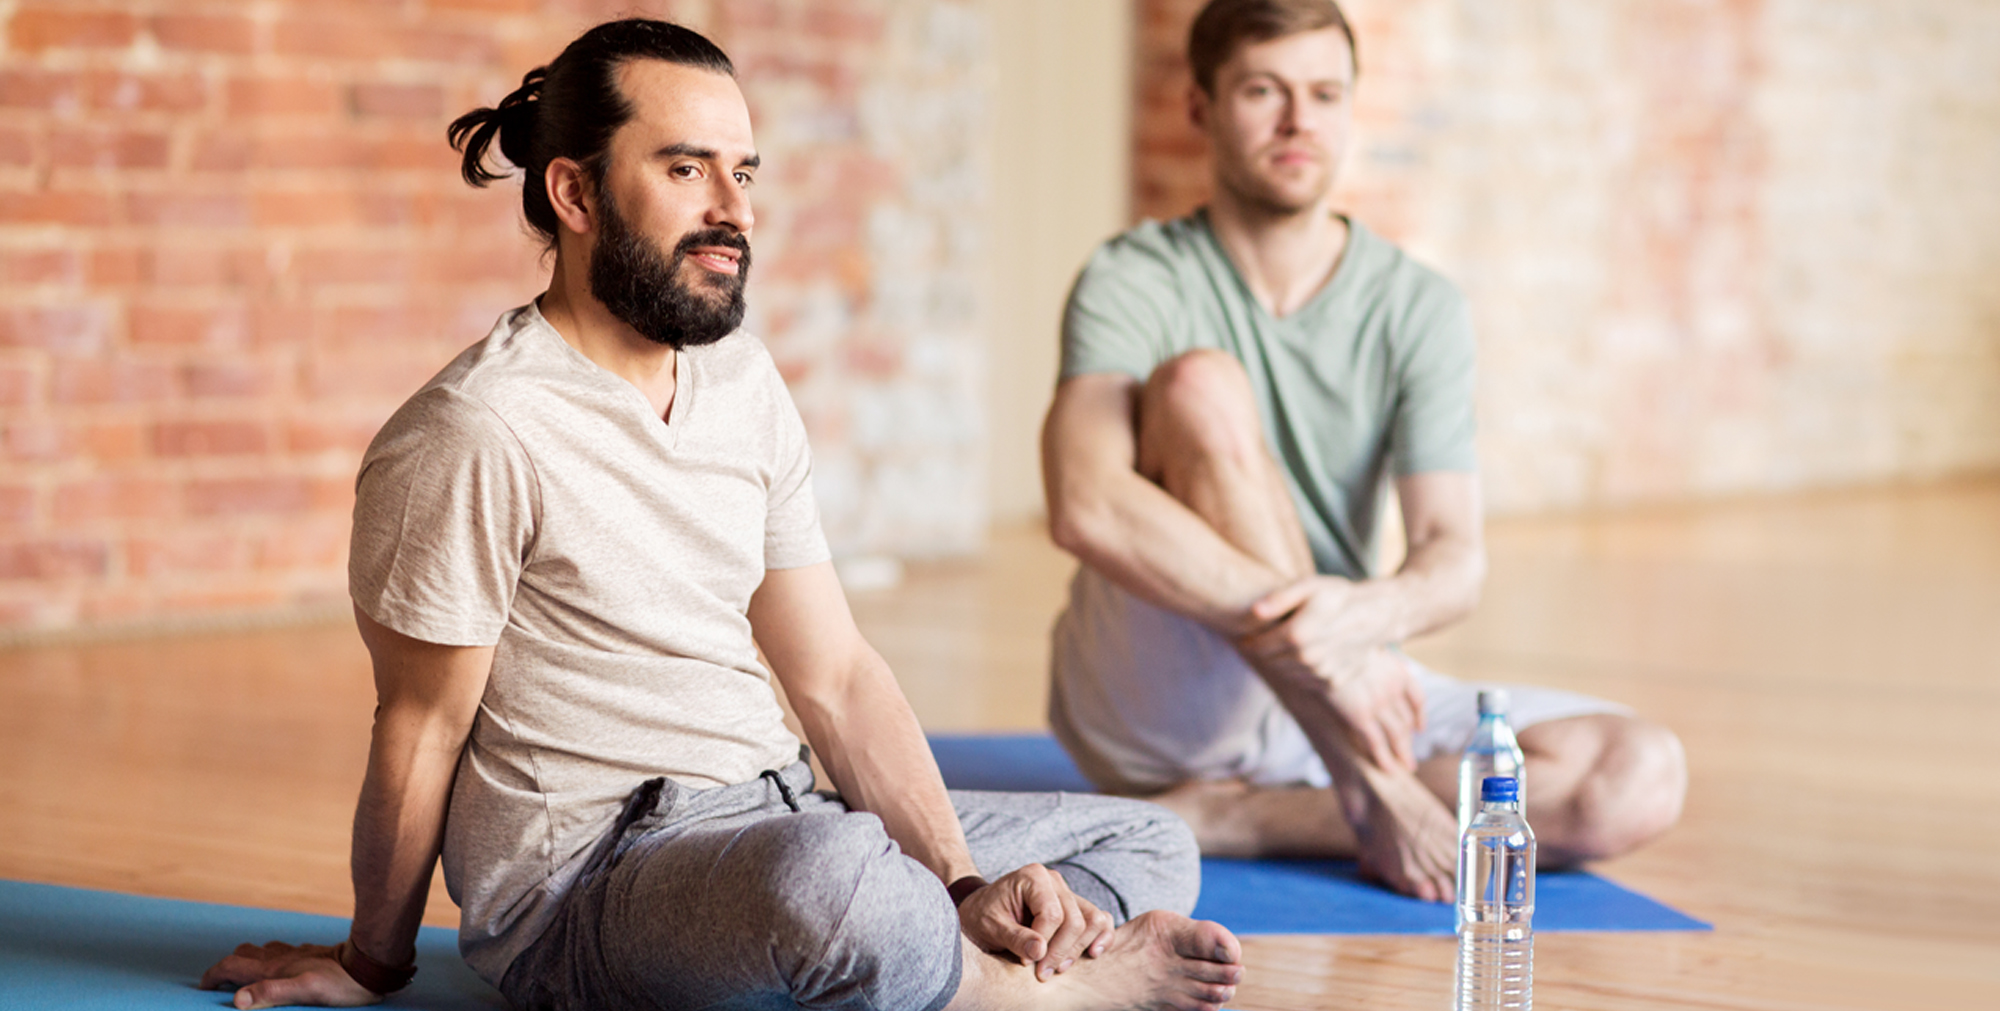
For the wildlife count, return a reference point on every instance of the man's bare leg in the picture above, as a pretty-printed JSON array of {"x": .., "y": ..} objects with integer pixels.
[
  {"x": 1599, "y": 786},
  {"x": 1157, "y": 960},
  {"x": 1201, "y": 439}
]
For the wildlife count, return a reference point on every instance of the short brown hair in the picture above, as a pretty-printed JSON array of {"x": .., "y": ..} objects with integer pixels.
[{"x": 1224, "y": 25}]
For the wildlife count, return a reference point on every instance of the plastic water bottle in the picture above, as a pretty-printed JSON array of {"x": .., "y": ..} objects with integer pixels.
[
  {"x": 1496, "y": 904},
  {"x": 1493, "y": 752}
]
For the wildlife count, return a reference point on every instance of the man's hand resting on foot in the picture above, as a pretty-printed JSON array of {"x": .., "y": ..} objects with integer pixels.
[
  {"x": 278, "y": 974},
  {"x": 1033, "y": 914}
]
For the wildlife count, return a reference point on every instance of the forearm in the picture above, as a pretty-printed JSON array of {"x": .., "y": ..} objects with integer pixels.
[
  {"x": 1143, "y": 539},
  {"x": 1437, "y": 584},
  {"x": 399, "y": 830},
  {"x": 875, "y": 751}
]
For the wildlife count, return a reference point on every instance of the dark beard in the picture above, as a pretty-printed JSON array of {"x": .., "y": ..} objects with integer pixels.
[{"x": 648, "y": 295}]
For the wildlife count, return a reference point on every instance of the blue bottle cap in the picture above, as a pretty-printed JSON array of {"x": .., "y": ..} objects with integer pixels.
[{"x": 1499, "y": 788}]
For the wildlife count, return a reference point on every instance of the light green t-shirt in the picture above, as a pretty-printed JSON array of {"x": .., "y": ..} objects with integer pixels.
[{"x": 1374, "y": 372}]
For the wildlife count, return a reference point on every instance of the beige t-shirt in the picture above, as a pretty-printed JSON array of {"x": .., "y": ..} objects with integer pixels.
[{"x": 530, "y": 500}]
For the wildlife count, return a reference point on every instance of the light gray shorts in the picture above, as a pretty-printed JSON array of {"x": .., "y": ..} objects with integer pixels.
[{"x": 1144, "y": 699}]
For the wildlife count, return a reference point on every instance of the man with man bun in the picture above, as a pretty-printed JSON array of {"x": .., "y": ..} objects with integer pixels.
[
  {"x": 1237, "y": 388},
  {"x": 568, "y": 549}
]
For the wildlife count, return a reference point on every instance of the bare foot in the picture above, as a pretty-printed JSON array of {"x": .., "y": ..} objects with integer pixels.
[
  {"x": 1160, "y": 960},
  {"x": 1157, "y": 961},
  {"x": 1409, "y": 839}
]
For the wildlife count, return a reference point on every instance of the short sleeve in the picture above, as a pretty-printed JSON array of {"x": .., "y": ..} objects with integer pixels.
[
  {"x": 1434, "y": 428},
  {"x": 1116, "y": 319},
  {"x": 444, "y": 519},
  {"x": 792, "y": 535}
]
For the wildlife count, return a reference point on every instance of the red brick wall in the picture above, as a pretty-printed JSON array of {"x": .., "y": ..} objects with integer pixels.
[{"x": 233, "y": 239}]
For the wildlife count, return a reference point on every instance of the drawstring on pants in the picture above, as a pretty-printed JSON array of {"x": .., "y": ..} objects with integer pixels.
[{"x": 784, "y": 789}]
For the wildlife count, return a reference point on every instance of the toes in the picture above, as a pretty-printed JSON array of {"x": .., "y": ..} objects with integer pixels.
[
  {"x": 1203, "y": 971},
  {"x": 1209, "y": 941}
]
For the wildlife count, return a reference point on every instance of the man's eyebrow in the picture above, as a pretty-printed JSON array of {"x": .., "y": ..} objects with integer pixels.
[{"x": 687, "y": 150}]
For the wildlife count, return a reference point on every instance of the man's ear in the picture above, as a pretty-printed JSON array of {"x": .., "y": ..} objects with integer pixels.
[
  {"x": 1197, "y": 107},
  {"x": 570, "y": 194}
]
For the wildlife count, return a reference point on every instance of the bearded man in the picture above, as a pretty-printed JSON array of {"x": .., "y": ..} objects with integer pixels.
[
  {"x": 568, "y": 549},
  {"x": 1237, "y": 388}
]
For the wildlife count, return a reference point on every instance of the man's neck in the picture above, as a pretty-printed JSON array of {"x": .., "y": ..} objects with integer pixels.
[
  {"x": 586, "y": 325},
  {"x": 1284, "y": 258}
]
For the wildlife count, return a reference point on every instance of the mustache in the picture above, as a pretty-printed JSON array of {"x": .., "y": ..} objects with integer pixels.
[{"x": 717, "y": 236}]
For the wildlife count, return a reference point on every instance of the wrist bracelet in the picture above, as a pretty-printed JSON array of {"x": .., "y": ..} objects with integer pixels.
[
  {"x": 373, "y": 975},
  {"x": 958, "y": 890}
]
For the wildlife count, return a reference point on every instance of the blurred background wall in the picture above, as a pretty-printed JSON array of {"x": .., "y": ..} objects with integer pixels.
[{"x": 1714, "y": 247}]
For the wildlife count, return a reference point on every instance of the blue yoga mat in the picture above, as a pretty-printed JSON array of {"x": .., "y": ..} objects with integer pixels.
[
  {"x": 101, "y": 951},
  {"x": 1301, "y": 896}
]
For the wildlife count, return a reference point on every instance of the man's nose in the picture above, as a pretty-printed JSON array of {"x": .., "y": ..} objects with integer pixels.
[
  {"x": 1288, "y": 115},
  {"x": 731, "y": 207}
]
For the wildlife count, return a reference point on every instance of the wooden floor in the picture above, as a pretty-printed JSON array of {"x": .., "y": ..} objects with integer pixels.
[{"x": 1832, "y": 664}]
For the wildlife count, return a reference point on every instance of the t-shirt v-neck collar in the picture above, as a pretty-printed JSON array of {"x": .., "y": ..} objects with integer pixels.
[
  {"x": 1342, "y": 270},
  {"x": 668, "y": 428}
]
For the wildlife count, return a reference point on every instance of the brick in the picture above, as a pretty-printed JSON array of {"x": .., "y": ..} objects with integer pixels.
[
  {"x": 38, "y": 440},
  {"x": 57, "y": 558},
  {"x": 117, "y": 266},
  {"x": 209, "y": 438},
  {"x": 371, "y": 39},
  {"x": 488, "y": 6},
  {"x": 17, "y": 505},
  {"x": 190, "y": 210},
  {"x": 241, "y": 496},
  {"x": 69, "y": 92},
  {"x": 109, "y": 149},
  {"x": 367, "y": 99},
  {"x": 183, "y": 266},
  {"x": 109, "y": 381},
  {"x": 17, "y": 147},
  {"x": 147, "y": 557},
  {"x": 319, "y": 435},
  {"x": 299, "y": 546},
  {"x": 843, "y": 24},
  {"x": 281, "y": 96},
  {"x": 207, "y": 33},
  {"x": 150, "y": 92},
  {"x": 17, "y": 385},
  {"x": 351, "y": 266},
  {"x": 113, "y": 441},
  {"x": 304, "y": 208},
  {"x": 80, "y": 328},
  {"x": 97, "y": 499},
  {"x": 220, "y": 326},
  {"x": 37, "y": 28},
  {"x": 387, "y": 376},
  {"x": 40, "y": 266},
  {"x": 281, "y": 323},
  {"x": 57, "y": 207},
  {"x": 412, "y": 153},
  {"x": 227, "y": 379}
]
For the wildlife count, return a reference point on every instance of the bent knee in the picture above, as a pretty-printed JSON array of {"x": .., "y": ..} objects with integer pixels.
[
  {"x": 850, "y": 919},
  {"x": 1204, "y": 395},
  {"x": 1633, "y": 796}
]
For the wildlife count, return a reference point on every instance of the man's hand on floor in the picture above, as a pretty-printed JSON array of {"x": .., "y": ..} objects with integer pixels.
[
  {"x": 1032, "y": 913},
  {"x": 278, "y": 974}
]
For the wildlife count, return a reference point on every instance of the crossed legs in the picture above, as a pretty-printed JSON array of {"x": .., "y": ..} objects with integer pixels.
[{"x": 1601, "y": 784}]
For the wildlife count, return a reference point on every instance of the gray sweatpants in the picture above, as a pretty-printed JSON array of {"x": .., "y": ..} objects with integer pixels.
[{"x": 762, "y": 896}]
